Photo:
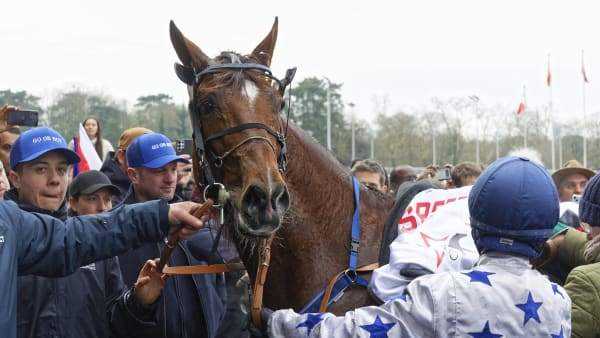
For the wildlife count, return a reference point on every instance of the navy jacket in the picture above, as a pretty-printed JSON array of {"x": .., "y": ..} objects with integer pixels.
[
  {"x": 33, "y": 243},
  {"x": 191, "y": 306},
  {"x": 89, "y": 303}
]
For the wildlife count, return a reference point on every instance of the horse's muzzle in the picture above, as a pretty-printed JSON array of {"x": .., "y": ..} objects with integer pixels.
[{"x": 262, "y": 210}]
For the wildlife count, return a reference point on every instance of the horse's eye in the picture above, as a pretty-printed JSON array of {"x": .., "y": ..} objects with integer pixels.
[
  {"x": 207, "y": 104},
  {"x": 282, "y": 105}
]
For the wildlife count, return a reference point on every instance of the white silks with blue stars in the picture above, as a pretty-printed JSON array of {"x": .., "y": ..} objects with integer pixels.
[{"x": 500, "y": 297}]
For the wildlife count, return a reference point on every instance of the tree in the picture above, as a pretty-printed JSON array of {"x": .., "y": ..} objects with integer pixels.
[
  {"x": 20, "y": 98},
  {"x": 69, "y": 109},
  {"x": 398, "y": 139},
  {"x": 158, "y": 113},
  {"x": 309, "y": 111},
  {"x": 308, "y": 107}
]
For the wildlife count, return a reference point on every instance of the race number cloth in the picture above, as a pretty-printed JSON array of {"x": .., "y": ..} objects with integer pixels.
[
  {"x": 434, "y": 235},
  {"x": 500, "y": 297}
]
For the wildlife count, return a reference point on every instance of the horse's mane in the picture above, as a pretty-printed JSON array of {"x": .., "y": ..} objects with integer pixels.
[{"x": 331, "y": 167}]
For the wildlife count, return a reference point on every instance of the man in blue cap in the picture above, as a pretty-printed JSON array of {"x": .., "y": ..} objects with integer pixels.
[
  {"x": 513, "y": 208},
  {"x": 89, "y": 302},
  {"x": 153, "y": 173},
  {"x": 38, "y": 244}
]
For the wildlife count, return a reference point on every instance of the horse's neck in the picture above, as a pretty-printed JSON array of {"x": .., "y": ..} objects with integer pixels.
[
  {"x": 313, "y": 244},
  {"x": 322, "y": 196},
  {"x": 315, "y": 178}
]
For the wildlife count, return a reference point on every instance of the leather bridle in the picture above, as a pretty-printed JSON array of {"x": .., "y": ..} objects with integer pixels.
[{"x": 203, "y": 150}]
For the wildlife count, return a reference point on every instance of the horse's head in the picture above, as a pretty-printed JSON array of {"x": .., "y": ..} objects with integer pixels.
[{"x": 238, "y": 135}]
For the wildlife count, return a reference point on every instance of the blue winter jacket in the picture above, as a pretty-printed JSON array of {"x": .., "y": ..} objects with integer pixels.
[
  {"x": 191, "y": 306},
  {"x": 89, "y": 303},
  {"x": 32, "y": 243}
]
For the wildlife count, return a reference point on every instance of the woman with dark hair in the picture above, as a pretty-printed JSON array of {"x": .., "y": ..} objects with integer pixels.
[{"x": 91, "y": 124}]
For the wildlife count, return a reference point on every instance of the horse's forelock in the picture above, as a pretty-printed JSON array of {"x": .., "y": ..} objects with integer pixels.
[
  {"x": 237, "y": 80},
  {"x": 233, "y": 57}
]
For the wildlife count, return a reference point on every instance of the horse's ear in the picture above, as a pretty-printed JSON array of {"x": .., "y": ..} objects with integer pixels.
[
  {"x": 264, "y": 51},
  {"x": 189, "y": 54}
]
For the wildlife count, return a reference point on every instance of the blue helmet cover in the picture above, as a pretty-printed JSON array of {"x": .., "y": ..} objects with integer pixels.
[{"x": 513, "y": 206}]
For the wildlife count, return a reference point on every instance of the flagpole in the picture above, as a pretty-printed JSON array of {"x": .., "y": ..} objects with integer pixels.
[
  {"x": 433, "y": 160},
  {"x": 549, "y": 83},
  {"x": 584, "y": 113},
  {"x": 475, "y": 100},
  {"x": 524, "y": 120}
]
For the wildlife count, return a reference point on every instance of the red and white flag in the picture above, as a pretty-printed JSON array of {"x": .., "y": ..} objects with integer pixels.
[
  {"x": 522, "y": 104},
  {"x": 85, "y": 149},
  {"x": 521, "y": 108},
  {"x": 585, "y": 79}
]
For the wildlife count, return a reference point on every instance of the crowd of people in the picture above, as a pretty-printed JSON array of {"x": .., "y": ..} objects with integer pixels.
[
  {"x": 80, "y": 253},
  {"x": 112, "y": 289}
]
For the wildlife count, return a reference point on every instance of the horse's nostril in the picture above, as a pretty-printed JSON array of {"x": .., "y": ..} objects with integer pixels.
[
  {"x": 281, "y": 198},
  {"x": 264, "y": 209},
  {"x": 254, "y": 200}
]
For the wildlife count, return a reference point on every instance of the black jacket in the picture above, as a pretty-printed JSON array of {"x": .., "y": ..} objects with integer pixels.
[
  {"x": 191, "y": 306},
  {"x": 111, "y": 168},
  {"x": 92, "y": 302}
]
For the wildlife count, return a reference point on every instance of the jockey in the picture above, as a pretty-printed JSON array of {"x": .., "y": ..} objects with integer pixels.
[
  {"x": 434, "y": 235},
  {"x": 513, "y": 208}
]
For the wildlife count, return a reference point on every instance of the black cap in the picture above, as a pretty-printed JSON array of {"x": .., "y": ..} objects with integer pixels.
[{"x": 88, "y": 182}]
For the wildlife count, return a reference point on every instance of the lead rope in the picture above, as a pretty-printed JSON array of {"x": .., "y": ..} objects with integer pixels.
[{"x": 259, "y": 281}]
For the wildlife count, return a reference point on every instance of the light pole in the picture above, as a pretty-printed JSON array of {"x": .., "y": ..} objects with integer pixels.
[
  {"x": 328, "y": 113},
  {"x": 351, "y": 105},
  {"x": 372, "y": 143},
  {"x": 433, "y": 160},
  {"x": 475, "y": 100}
]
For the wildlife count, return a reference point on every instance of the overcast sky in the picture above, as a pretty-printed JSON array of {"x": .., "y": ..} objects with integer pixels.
[{"x": 409, "y": 51}]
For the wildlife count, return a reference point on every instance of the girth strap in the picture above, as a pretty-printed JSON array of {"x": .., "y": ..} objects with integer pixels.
[
  {"x": 349, "y": 277},
  {"x": 340, "y": 282}
]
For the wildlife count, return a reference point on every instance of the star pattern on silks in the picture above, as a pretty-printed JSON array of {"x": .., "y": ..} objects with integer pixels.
[
  {"x": 530, "y": 308},
  {"x": 486, "y": 333},
  {"x": 479, "y": 276},
  {"x": 556, "y": 290},
  {"x": 560, "y": 334},
  {"x": 378, "y": 329},
  {"x": 310, "y": 322}
]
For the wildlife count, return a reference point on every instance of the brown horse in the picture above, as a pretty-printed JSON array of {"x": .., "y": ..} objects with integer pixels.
[{"x": 235, "y": 105}]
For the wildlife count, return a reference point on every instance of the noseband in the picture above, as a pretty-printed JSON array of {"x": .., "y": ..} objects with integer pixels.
[{"x": 189, "y": 76}]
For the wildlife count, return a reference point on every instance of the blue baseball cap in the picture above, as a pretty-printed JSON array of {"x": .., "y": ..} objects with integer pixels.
[
  {"x": 152, "y": 151},
  {"x": 37, "y": 142}
]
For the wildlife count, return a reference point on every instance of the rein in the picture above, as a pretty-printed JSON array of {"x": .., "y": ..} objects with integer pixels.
[
  {"x": 203, "y": 151},
  {"x": 260, "y": 279},
  {"x": 217, "y": 193}
]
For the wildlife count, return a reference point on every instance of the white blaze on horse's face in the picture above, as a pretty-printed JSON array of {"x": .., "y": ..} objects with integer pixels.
[{"x": 251, "y": 92}]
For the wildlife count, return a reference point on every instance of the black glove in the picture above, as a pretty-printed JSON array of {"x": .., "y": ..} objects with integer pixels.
[{"x": 265, "y": 314}]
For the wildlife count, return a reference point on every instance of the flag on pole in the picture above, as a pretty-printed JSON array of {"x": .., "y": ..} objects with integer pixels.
[
  {"x": 549, "y": 74},
  {"x": 585, "y": 79},
  {"x": 522, "y": 104},
  {"x": 85, "y": 149},
  {"x": 521, "y": 108}
]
